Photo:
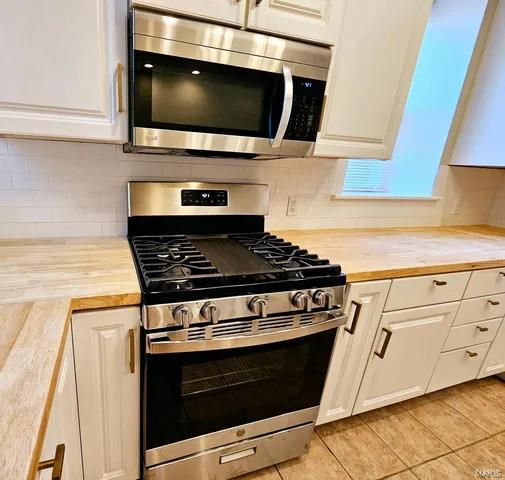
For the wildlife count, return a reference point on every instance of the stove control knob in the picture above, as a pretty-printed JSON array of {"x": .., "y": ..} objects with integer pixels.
[
  {"x": 258, "y": 306},
  {"x": 182, "y": 315},
  {"x": 210, "y": 312},
  {"x": 323, "y": 298},
  {"x": 301, "y": 301}
]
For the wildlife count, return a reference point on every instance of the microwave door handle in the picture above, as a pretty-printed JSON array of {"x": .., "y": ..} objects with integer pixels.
[{"x": 287, "y": 105}]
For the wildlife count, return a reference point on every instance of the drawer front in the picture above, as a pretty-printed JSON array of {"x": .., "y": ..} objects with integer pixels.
[
  {"x": 458, "y": 366},
  {"x": 426, "y": 290},
  {"x": 472, "y": 334},
  {"x": 486, "y": 282},
  {"x": 482, "y": 308}
]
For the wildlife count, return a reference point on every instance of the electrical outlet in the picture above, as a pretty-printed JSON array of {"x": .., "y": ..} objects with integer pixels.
[
  {"x": 457, "y": 206},
  {"x": 292, "y": 210}
]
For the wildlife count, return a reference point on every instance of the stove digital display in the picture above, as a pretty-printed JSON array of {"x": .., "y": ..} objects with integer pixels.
[{"x": 204, "y": 198}]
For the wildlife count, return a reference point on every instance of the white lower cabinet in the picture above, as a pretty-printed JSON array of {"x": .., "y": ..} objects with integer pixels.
[
  {"x": 107, "y": 372},
  {"x": 364, "y": 304},
  {"x": 495, "y": 359},
  {"x": 63, "y": 424},
  {"x": 405, "y": 351}
]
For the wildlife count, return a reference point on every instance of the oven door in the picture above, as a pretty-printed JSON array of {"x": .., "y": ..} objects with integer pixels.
[
  {"x": 203, "y": 394},
  {"x": 205, "y": 99}
]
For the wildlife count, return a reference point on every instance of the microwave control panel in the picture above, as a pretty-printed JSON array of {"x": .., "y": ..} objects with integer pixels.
[
  {"x": 308, "y": 97},
  {"x": 204, "y": 198}
]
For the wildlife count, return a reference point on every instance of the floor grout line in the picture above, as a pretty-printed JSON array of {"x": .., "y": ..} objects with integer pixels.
[{"x": 333, "y": 455}]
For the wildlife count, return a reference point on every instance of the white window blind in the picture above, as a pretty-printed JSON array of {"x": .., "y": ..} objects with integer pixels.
[{"x": 365, "y": 176}]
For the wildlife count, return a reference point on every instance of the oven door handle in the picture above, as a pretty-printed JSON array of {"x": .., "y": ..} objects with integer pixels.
[
  {"x": 159, "y": 347},
  {"x": 287, "y": 105}
]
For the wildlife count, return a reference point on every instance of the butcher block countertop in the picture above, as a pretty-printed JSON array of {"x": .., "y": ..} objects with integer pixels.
[
  {"x": 43, "y": 281},
  {"x": 374, "y": 254}
]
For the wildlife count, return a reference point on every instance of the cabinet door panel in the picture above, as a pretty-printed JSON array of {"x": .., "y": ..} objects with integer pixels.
[
  {"x": 350, "y": 352},
  {"x": 226, "y": 11},
  {"x": 495, "y": 359},
  {"x": 60, "y": 79},
  {"x": 313, "y": 20},
  {"x": 370, "y": 76},
  {"x": 63, "y": 424},
  {"x": 416, "y": 340},
  {"x": 108, "y": 392}
]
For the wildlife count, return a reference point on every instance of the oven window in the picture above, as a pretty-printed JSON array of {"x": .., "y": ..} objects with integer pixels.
[
  {"x": 191, "y": 394},
  {"x": 191, "y": 95}
]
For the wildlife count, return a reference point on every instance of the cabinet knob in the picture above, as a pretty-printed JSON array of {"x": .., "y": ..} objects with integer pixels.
[
  {"x": 471, "y": 354},
  {"x": 56, "y": 463},
  {"x": 493, "y": 303},
  {"x": 439, "y": 283},
  {"x": 482, "y": 329}
]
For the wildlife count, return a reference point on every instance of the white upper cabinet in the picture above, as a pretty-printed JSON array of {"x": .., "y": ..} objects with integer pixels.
[
  {"x": 311, "y": 20},
  {"x": 480, "y": 139},
  {"x": 59, "y": 69},
  {"x": 370, "y": 76},
  {"x": 225, "y": 11}
]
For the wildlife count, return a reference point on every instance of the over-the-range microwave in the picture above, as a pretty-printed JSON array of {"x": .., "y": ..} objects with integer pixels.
[{"x": 207, "y": 89}]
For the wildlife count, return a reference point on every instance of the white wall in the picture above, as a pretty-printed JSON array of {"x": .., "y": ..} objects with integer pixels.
[
  {"x": 497, "y": 213},
  {"x": 66, "y": 188}
]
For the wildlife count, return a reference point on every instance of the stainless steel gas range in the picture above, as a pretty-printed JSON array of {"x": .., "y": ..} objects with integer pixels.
[{"x": 238, "y": 331}]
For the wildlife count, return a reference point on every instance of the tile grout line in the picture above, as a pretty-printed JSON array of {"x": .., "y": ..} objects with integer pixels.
[{"x": 333, "y": 455}]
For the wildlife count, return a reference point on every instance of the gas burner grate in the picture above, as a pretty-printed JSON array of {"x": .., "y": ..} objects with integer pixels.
[
  {"x": 280, "y": 253},
  {"x": 171, "y": 258}
]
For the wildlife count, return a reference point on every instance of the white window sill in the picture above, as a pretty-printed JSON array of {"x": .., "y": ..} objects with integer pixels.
[{"x": 386, "y": 198}]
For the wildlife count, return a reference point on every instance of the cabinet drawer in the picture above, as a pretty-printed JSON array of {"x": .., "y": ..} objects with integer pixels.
[
  {"x": 486, "y": 282},
  {"x": 472, "y": 334},
  {"x": 426, "y": 290},
  {"x": 482, "y": 308},
  {"x": 458, "y": 366}
]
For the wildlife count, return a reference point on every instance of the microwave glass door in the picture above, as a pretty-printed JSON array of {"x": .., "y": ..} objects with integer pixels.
[
  {"x": 195, "y": 393},
  {"x": 174, "y": 93}
]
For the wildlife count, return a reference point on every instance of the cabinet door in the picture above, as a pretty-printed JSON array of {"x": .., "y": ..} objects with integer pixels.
[
  {"x": 312, "y": 20},
  {"x": 108, "y": 391},
  {"x": 63, "y": 424},
  {"x": 370, "y": 77},
  {"x": 495, "y": 359},
  {"x": 364, "y": 305},
  {"x": 405, "y": 352},
  {"x": 60, "y": 69},
  {"x": 226, "y": 11}
]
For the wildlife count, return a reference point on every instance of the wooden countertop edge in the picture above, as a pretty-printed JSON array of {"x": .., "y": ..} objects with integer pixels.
[
  {"x": 32, "y": 472},
  {"x": 422, "y": 270},
  {"x": 106, "y": 301}
]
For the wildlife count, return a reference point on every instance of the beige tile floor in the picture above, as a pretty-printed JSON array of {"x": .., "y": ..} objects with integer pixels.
[{"x": 451, "y": 434}]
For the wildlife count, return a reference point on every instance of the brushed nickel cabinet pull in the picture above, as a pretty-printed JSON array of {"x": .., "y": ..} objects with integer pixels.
[
  {"x": 385, "y": 345},
  {"x": 56, "y": 463},
  {"x": 471, "y": 354},
  {"x": 439, "y": 283},
  {"x": 119, "y": 82},
  {"x": 131, "y": 338},
  {"x": 355, "y": 317},
  {"x": 482, "y": 329},
  {"x": 493, "y": 302},
  {"x": 502, "y": 274}
]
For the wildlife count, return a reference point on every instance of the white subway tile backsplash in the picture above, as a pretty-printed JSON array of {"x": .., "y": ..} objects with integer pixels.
[
  {"x": 5, "y": 181},
  {"x": 30, "y": 181},
  {"x": 14, "y": 164},
  {"x": 15, "y": 198},
  {"x": 23, "y": 146},
  {"x": 100, "y": 214},
  {"x": 79, "y": 189}
]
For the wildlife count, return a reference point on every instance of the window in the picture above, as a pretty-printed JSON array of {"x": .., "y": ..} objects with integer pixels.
[{"x": 445, "y": 54}]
